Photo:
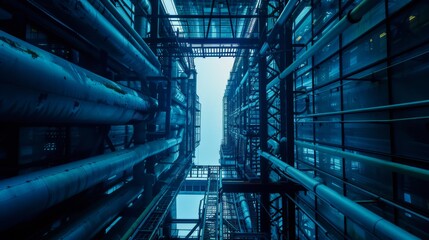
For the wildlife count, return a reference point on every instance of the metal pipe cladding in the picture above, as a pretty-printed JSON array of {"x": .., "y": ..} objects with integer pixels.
[
  {"x": 23, "y": 197},
  {"x": 39, "y": 87}
]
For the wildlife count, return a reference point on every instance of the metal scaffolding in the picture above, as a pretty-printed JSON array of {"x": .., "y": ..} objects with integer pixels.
[{"x": 325, "y": 132}]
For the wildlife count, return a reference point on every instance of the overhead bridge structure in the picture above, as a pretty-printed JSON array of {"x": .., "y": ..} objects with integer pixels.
[{"x": 325, "y": 119}]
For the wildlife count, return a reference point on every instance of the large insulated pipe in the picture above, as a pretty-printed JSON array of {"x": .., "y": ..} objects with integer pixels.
[
  {"x": 246, "y": 212},
  {"x": 39, "y": 87},
  {"x": 166, "y": 163},
  {"x": 143, "y": 5},
  {"x": 373, "y": 223},
  {"x": 177, "y": 117},
  {"x": 352, "y": 17},
  {"x": 177, "y": 95},
  {"x": 110, "y": 12},
  {"x": 97, "y": 217},
  {"x": 23, "y": 197},
  {"x": 91, "y": 24},
  {"x": 143, "y": 10},
  {"x": 94, "y": 219}
]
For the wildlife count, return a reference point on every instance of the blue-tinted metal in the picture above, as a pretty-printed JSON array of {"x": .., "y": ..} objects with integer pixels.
[
  {"x": 23, "y": 197},
  {"x": 375, "y": 224},
  {"x": 39, "y": 87},
  {"x": 396, "y": 167},
  {"x": 246, "y": 212},
  {"x": 354, "y": 16},
  {"x": 94, "y": 219},
  {"x": 94, "y": 26}
]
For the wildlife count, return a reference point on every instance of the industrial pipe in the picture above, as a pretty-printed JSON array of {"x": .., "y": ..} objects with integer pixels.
[
  {"x": 39, "y": 87},
  {"x": 23, "y": 197},
  {"x": 246, "y": 212},
  {"x": 98, "y": 216},
  {"x": 177, "y": 95},
  {"x": 373, "y": 223},
  {"x": 110, "y": 13},
  {"x": 352, "y": 17},
  {"x": 166, "y": 163},
  {"x": 82, "y": 16},
  {"x": 177, "y": 174},
  {"x": 104, "y": 212},
  {"x": 143, "y": 5},
  {"x": 243, "y": 80},
  {"x": 287, "y": 10},
  {"x": 177, "y": 118},
  {"x": 396, "y": 167},
  {"x": 143, "y": 10}
]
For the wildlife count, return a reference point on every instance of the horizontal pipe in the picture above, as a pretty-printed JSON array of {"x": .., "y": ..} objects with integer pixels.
[
  {"x": 396, "y": 167},
  {"x": 166, "y": 163},
  {"x": 80, "y": 15},
  {"x": 113, "y": 15},
  {"x": 143, "y": 5},
  {"x": 354, "y": 16},
  {"x": 39, "y": 87},
  {"x": 94, "y": 219},
  {"x": 23, "y": 197},
  {"x": 177, "y": 118},
  {"x": 373, "y": 223}
]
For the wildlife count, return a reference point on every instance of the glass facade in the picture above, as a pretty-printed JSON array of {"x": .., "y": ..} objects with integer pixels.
[
  {"x": 361, "y": 96},
  {"x": 378, "y": 62}
]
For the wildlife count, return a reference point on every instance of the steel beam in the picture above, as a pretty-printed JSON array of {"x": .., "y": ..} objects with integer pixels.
[
  {"x": 205, "y": 41},
  {"x": 257, "y": 187},
  {"x": 265, "y": 219},
  {"x": 201, "y": 16}
]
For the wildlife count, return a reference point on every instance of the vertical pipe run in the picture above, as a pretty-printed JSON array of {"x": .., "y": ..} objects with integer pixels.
[{"x": 246, "y": 212}]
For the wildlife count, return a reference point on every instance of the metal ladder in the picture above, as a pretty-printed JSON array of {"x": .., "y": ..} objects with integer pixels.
[
  {"x": 150, "y": 225},
  {"x": 210, "y": 228}
]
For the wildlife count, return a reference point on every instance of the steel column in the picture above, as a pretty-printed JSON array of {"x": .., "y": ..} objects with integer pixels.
[
  {"x": 265, "y": 220},
  {"x": 289, "y": 124}
]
